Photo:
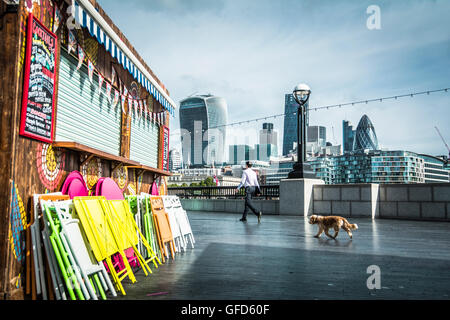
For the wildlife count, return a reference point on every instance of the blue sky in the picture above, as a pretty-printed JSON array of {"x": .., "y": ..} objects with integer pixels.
[{"x": 252, "y": 52}]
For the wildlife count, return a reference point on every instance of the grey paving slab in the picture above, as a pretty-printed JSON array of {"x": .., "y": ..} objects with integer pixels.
[{"x": 280, "y": 259}]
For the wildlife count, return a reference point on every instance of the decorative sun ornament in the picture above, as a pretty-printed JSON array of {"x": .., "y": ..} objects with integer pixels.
[{"x": 50, "y": 164}]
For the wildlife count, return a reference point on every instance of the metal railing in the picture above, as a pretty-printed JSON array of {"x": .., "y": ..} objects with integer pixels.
[{"x": 267, "y": 192}]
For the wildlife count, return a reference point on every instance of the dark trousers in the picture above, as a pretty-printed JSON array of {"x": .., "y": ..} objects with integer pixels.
[{"x": 249, "y": 192}]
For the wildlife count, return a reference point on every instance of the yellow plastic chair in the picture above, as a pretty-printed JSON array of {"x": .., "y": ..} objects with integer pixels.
[
  {"x": 96, "y": 223},
  {"x": 127, "y": 226}
]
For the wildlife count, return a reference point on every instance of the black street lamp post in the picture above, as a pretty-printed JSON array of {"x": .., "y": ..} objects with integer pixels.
[{"x": 301, "y": 94}]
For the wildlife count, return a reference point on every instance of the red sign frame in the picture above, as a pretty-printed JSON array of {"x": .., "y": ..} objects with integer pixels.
[{"x": 31, "y": 20}]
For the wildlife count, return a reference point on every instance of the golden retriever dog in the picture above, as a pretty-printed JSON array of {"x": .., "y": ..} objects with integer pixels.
[{"x": 335, "y": 222}]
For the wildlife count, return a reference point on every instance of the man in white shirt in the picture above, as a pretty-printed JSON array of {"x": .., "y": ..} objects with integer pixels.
[{"x": 250, "y": 182}]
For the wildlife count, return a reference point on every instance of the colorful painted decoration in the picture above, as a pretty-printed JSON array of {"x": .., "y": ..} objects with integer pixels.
[
  {"x": 120, "y": 176},
  {"x": 91, "y": 172},
  {"x": 50, "y": 165},
  {"x": 17, "y": 224}
]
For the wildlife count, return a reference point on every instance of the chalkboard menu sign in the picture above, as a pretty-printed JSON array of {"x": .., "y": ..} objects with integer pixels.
[
  {"x": 164, "y": 148},
  {"x": 38, "y": 107}
]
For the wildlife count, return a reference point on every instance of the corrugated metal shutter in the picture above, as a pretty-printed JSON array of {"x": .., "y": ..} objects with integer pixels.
[
  {"x": 144, "y": 141},
  {"x": 83, "y": 115}
]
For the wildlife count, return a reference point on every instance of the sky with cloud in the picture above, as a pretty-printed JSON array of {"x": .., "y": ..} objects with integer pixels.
[{"x": 253, "y": 52}]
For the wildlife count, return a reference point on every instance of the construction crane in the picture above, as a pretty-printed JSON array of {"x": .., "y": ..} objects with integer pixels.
[{"x": 443, "y": 140}]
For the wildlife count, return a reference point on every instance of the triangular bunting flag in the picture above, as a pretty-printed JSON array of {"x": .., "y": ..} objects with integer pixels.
[
  {"x": 113, "y": 75},
  {"x": 80, "y": 57},
  {"x": 72, "y": 43},
  {"x": 130, "y": 104},
  {"x": 90, "y": 70},
  {"x": 136, "y": 105},
  {"x": 108, "y": 92},
  {"x": 145, "y": 110},
  {"x": 100, "y": 82},
  {"x": 140, "y": 108},
  {"x": 123, "y": 103}
]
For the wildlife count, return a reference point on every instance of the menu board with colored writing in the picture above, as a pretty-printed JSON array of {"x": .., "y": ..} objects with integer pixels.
[
  {"x": 164, "y": 148},
  {"x": 38, "y": 104}
]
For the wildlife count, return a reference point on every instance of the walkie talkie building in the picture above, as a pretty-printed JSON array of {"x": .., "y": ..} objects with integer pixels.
[{"x": 203, "y": 120}]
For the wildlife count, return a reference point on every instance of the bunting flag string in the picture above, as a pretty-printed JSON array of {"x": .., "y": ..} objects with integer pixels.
[
  {"x": 85, "y": 20},
  {"x": 139, "y": 105}
]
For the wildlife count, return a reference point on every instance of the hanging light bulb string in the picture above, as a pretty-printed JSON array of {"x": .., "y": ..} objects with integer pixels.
[{"x": 340, "y": 105}]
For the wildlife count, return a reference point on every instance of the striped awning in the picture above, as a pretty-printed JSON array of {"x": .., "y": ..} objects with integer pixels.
[{"x": 84, "y": 19}]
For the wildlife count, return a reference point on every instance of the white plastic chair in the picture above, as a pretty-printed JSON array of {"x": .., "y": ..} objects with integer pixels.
[
  {"x": 183, "y": 221},
  {"x": 180, "y": 243}
]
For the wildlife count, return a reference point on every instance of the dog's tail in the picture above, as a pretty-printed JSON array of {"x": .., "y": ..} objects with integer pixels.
[{"x": 351, "y": 226}]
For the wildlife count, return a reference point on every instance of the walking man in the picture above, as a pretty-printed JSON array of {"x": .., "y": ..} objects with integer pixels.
[{"x": 250, "y": 182}]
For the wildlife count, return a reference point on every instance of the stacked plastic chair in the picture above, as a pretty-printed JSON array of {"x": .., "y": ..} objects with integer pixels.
[
  {"x": 180, "y": 243},
  {"x": 149, "y": 225},
  {"x": 84, "y": 277},
  {"x": 83, "y": 247},
  {"x": 183, "y": 220},
  {"x": 164, "y": 232}
]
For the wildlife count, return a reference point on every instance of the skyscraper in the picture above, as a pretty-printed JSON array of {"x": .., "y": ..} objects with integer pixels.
[
  {"x": 348, "y": 136},
  {"x": 174, "y": 160},
  {"x": 365, "y": 136},
  {"x": 203, "y": 132},
  {"x": 318, "y": 135},
  {"x": 290, "y": 123},
  {"x": 239, "y": 153},
  {"x": 267, "y": 135}
]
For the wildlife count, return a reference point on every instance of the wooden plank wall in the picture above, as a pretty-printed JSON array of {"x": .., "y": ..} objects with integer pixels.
[{"x": 9, "y": 48}]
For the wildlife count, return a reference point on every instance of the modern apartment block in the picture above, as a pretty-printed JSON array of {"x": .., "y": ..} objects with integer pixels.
[{"x": 383, "y": 167}]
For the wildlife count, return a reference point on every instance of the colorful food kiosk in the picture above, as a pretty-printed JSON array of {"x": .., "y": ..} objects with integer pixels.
[{"x": 76, "y": 97}]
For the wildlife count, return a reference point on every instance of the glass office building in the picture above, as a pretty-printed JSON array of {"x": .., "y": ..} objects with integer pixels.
[
  {"x": 203, "y": 132},
  {"x": 348, "y": 136},
  {"x": 365, "y": 136},
  {"x": 290, "y": 123}
]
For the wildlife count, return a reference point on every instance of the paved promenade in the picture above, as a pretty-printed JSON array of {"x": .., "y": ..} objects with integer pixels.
[{"x": 280, "y": 259}]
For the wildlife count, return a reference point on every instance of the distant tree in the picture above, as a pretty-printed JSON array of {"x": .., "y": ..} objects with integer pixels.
[{"x": 210, "y": 182}]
